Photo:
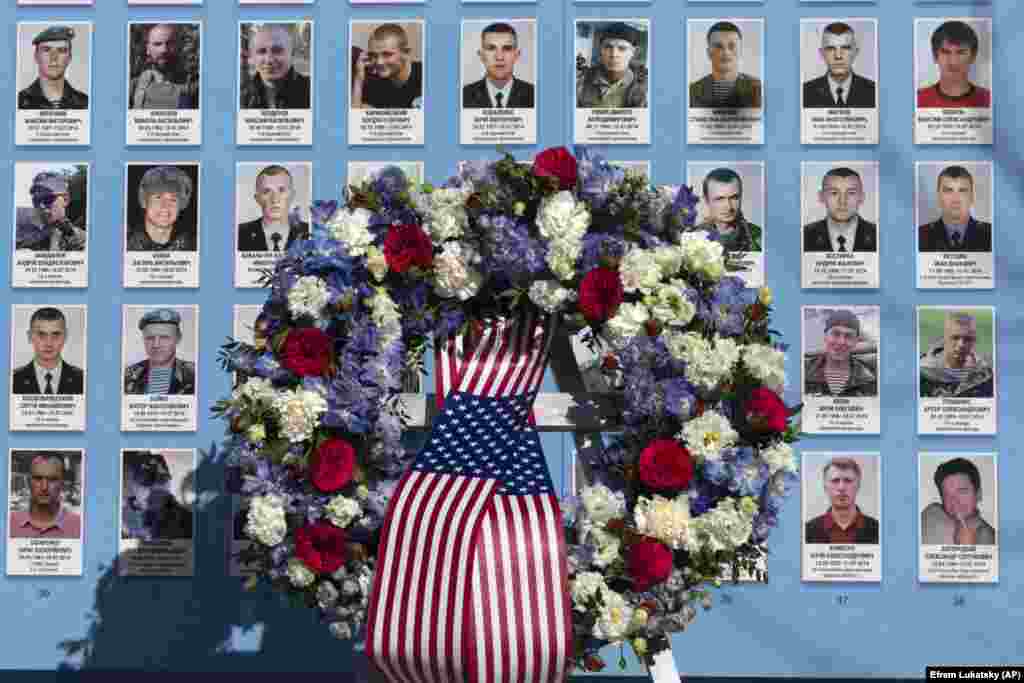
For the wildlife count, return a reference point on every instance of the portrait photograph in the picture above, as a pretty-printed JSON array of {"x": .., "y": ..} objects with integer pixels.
[
  {"x": 839, "y": 206},
  {"x": 732, "y": 202},
  {"x": 956, "y": 352},
  {"x": 275, "y": 2},
  {"x": 276, "y": 65},
  {"x": 272, "y": 204},
  {"x": 160, "y": 347},
  {"x": 954, "y": 203},
  {"x": 51, "y": 206},
  {"x": 359, "y": 171},
  {"x": 957, "y": 499},
  {"x": 164, "y": 65},
  {"x": 48, "y": 349},
  {"x": 47, "y": 494},
  {"x": 612, "y": 69},
  {"x": 54, "y": 65},
  {"x": 387, "y": 65},
  {"x": 725, "y": 63},
  {"x": 55, "y": 3},
  {"x": 841, "y": 351},
  {"x": 839, "y": 63},
  {"x": 165, "y": 2},
  {"x": 499, "y": 64},
  {"x": 162, "y": 207},
  {"x": 953, "y": 62},
  {"x": 157, "y": 494},
  {"x": 842, "y": 498}
]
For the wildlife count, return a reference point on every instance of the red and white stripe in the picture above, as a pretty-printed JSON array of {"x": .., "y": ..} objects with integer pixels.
[{"x": 471, "y": 585}]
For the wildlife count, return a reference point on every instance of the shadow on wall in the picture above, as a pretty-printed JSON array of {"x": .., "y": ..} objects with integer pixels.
[{"x": 193, "y": 624}]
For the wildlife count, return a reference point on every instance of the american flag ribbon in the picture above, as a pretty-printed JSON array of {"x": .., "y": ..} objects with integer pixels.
[{"x": 471, "y": 574}]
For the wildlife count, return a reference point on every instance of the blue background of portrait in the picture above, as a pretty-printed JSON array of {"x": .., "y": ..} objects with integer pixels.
[{"x": 896, "y": 627}]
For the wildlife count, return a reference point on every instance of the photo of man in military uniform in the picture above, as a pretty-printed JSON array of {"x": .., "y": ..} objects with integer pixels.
[
  {"x": 51, "y": 224},
  {"x": 846, "y": 367},
  {"x": 953, "y": 367},
  {"x": 164, "y": 66},
  {"x": 162, "y": 372},
  {"x": 619, "y": 77},
  {"x": 51, "y": 51}
]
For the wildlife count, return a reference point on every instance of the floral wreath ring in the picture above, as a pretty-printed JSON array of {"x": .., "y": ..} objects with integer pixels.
[{"x": 682, "y": 499}]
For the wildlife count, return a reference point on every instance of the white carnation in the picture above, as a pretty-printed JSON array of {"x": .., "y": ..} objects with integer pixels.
[
  {"x": 385, "y": 314},
  {"x": 299, "y": 574},
  {"x": 640, "y": 271},
  {"x": 706, "y": 365},
  {"x": 766, "y": 364},
  {"x": 664, "y": 519},
  {"x": 562, "y": 257},
  {"x": 585, "y": 586},
  {"x": 561, "y": 217},
  {"x": 615, "y": 619},
  {"x": 607, "y": 546},
  {"x": 299, "y": 412},
  {"x": 549, "y": 295},
  {"x": 308, "y": 296},
  {"x": 443, "y": 211},
  {"x": 669, "y": 260},
  {"x": 257, "y": 390},
  {"x": 670, "y": 306},
  {"x": 341, "y": 511},
  {"x": 725, "y": 527},
  {"x": 601, "y": 504},
  {"x": 265, "y": 521},
  {"x": 703, "y": 256},
  {"x": 455, "y": 275},
  {"x": 707, "y": 435},
  {"x": 779, "y": 457},
  {"x": 351, "y": 226},
  {"x": 628, "y": 322}
]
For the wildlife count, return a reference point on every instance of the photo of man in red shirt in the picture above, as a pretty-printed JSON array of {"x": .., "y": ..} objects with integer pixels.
[{"x": 955, "y": 50}]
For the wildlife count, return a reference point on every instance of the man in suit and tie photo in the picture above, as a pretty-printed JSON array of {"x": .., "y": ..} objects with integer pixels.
[
  {"x": 48, "y": 372},
  {"x": 499, "y": 52},
  {"x": 843, "y": 229},
  {"x": 956, "y": 229},
  {"x": 839, "y": 86},
  {"x": 279, "y": 225}
]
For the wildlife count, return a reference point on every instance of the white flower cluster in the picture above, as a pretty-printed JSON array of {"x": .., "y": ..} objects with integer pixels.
[
  {"x": 308, "y": 296},
  {"x": 299, "y": 412},
  {"x": 549, "y": 295},
  {"x": 706, "y": 364},
  {"x": 616, "y": 616},
  {"x": 386, "y": 316},
  {"x": 341, "y": 511},
  {"x": 256, "y": 390},
  {"x": 443, "y": 211},
  {"x": 670, "y": 306},
  {"x": 669, "y": 260},
  {"x": 606, "y": 544},
  {"x": 455, "y": 273},
  {"x": 640, "y": 271},
  {"x": 766, "y": 364},
  {"x": 299, "y": 574},
  {"x": 703, "y": 256},
  {"x": 779, "y": 457},
  {"x": 707, "y": 435},
  {"x": 627, "y": 323},
  {"x": 563, "y": 221},
  {"x": 351, "y": 226},
  {"x": 266, "y": 521},
  {"x": 664, "y": 519},
  {"x": 726, "y": 527},
  {"x": 601, "y": 504}
]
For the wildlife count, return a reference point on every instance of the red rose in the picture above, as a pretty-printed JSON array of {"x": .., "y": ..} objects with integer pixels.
[
  {"x": 556, "y": 162},
  {"x": 321, "y": 546},
  {"x": 649, "y": 563},
  {"x": 406, "y": 246},
  {"x": 665, "y": 465},
  {"x": 600, "y": 294},
  {"x": 306, "y": 351},
  {"x": 765, "y": 411},
  {"x": 332, "y": 465}
]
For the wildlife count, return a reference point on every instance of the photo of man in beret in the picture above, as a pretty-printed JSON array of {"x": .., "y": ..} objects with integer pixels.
[
  {"x": 618, "y": 79},
  {"x": 50, "y": 90},
  {"x": 162, "y": 372}
]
